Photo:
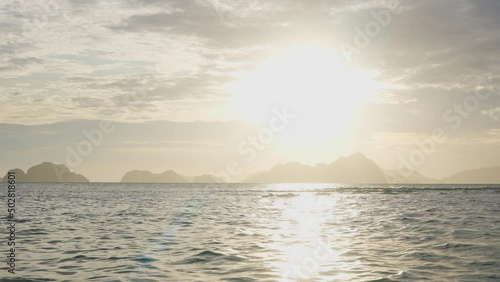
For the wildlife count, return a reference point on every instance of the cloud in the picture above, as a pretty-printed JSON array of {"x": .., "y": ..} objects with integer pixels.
[
  {"x": 492, "y": 113},
  {"x": 438, "y": 42},
  {"x": 86, "y": 59},
  {"x": 16, "y": 63}
]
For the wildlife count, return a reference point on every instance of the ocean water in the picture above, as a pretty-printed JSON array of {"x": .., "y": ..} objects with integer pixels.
[{"x": 285, "y": 232}]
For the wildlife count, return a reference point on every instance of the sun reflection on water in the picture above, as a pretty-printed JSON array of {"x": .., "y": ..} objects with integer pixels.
[{"x": 304, "y": 253}]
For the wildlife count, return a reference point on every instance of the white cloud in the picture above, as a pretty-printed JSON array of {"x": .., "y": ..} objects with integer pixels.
[
  {"x": 493, "y": 113},
  {"x": 197, "y": 46}
]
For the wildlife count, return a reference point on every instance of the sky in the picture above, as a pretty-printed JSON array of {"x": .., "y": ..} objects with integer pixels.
[{"x": 211, "y": 86}]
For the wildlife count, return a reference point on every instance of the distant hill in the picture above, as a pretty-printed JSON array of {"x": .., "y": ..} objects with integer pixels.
[
  {"x": 353, "y": 169},
  {"x": 144, "y": 176},
  {"x": 47, "y": 172},
  {"x": 488, "y": 175},
  {"x": 291, "y": 172},
  {"x": 393, "y": 176}
]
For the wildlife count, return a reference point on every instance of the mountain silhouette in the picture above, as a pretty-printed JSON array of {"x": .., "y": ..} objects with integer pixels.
[
  {"x": 47, "y": 172},
  {"x": 145, "y": 176},
  {"x": 393, "y": 176},
  {"x": 487, "y": 175},
  {"x": 353, "y": 169}
]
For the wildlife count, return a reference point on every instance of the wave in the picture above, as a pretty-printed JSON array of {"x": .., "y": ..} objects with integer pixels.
[
  {"x": 280, "y": 195},
  {"x": 208, "y": 256}
]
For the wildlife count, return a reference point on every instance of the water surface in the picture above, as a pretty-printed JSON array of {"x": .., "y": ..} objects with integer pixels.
[{"x": 286, "y": 232}]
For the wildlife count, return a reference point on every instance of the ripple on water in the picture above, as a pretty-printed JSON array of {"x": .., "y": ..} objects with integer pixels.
[
  {"x": 256, "y": 233},
  {"x": 144, "y": 260},
  {"x": 211, "y": 257}
]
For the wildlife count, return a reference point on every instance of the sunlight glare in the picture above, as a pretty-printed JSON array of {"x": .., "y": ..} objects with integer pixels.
[{"x": 313, "y": 82}]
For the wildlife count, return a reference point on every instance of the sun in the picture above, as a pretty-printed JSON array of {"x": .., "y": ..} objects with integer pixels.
[{"x": 313, "y": 82}]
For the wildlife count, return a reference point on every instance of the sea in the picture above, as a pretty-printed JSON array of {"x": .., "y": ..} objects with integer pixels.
[{"x": 249, "y": 232}]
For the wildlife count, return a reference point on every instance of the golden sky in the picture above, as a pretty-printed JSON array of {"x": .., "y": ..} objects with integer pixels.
[{"x": 187, "y": 83}]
